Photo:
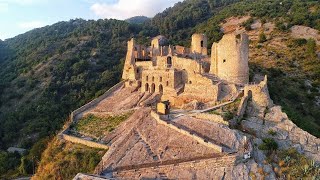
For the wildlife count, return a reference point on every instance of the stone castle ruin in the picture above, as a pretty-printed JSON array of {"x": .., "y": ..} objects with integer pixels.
[
  {"x": 194, "y": 139},
  {"x": 180, "y": 74}
]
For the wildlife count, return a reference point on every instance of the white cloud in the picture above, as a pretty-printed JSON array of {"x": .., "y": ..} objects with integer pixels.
[
  {"x": 4, "y": 7},
  {"x": 21, "y": 2},
  {"x": 31, "y": 24},
  {"x": 124, "y": 9}
]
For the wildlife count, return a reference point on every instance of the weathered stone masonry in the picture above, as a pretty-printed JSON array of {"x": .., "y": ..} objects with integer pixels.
[{"x": 177, "y": 72}]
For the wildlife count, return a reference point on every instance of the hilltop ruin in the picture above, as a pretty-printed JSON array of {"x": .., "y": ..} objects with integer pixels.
[
  {"x": 180, "y": 74},
  {"x": 216, "y": 123}
]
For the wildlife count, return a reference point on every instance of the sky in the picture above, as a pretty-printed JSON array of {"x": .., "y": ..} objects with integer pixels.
[{"x": 19, "y": 16}]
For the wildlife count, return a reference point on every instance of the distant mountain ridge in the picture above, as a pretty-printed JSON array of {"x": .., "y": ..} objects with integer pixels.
[{"x": 137, "y": 19}]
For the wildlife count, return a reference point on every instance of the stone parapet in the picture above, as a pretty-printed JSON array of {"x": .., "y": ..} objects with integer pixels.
[
  {"x": 182, "y": 131},
  {"x": 84, "y": 142}
]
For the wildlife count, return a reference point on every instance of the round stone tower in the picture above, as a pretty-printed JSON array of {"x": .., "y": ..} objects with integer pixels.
[
  {"x": 199, "y": 44},
  {"x": 229, "y": 58}
]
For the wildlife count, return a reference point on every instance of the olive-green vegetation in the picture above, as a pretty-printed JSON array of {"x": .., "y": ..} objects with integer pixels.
[
  {"x": 48, "y": 72},
  {"x": 97, "y": 126},
  {"x": 268, "y": 145},
  {"x": 229, "y": 111},
  {"x": 292, "y": 165},
  {"x": 64, "y": 160}
]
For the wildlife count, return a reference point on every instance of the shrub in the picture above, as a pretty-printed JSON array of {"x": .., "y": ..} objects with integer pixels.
[
  {"x": 262, "y": 38},
  {"x": 272, "y": 132},
  {"x": 269, "y": 145}
]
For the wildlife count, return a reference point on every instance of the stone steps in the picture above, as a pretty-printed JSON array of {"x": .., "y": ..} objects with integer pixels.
[
  {"x": 145, "y": 96},
  {"x": 146, "y": 145}
]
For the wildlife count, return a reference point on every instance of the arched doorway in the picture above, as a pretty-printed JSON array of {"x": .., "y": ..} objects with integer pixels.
[
  {"x": 147, "y": 87},
  {"x": 160, "y": 89},
  {"x": 153, "y": 88},
  {"x": 169, "y": 62}
]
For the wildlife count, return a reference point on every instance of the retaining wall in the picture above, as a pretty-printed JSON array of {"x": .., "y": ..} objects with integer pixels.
[
  {"x": 84, "y": 142},
  {"x": 195, "y": 137},
  {"x": 95, "y": 101},
  {"x": 225, "y": 161},
  {"x": 73, "y": 118},
  {"x": 211, "y": 117}
]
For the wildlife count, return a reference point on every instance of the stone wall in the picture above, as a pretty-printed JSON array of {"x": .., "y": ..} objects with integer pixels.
[
  {"x": 195, "y": 137},
  {"x": 225, "y": 161},
  {"x": 74, "y": 114},
  {"x": 144, "y": 64},
  {"x": 160, "y": 81},
  {"x": 260, "y": 97},
  {"x": 242, "y": 107},
  {"x": 189, "y": 65},
  {"x": 202, "y": 88},
  {"x": 84, "y": 142},
  {"x": 211, "y": 117}
]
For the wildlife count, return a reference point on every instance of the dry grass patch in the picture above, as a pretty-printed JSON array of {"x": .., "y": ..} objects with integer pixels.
[{"x": 95, "y": 126}]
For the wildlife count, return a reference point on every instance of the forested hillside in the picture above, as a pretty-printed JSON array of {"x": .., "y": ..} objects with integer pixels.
[
  {"x": 48, "y": 72},
  {"x": 137, "y": 20}
]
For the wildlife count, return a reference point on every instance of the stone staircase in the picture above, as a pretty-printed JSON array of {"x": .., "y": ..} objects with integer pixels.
[
  {"x": 145, "y": 96},
  {"x": 146, "y": 145},
  {"x": 152, "y": 99}
]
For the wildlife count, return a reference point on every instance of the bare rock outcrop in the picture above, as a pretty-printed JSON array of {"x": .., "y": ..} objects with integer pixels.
[{"x": 287, "y": 133}]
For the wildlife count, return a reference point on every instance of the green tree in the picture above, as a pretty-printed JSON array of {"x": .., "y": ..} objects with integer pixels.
[{"x": 269, "y": 145}]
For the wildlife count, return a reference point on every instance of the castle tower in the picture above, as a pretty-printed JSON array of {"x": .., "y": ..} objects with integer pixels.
[
  {"x": 229, "y": 58},
  {"x": 157, "y": 43},
  {"x": 129, "y": 70},
  {"x": 199, "y": 44}
]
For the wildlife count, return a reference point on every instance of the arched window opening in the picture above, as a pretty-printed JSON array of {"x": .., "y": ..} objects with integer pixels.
[
  {"x": 147, "y": 78},
  {"x": 169, "y": 62},
  {"x": 160, "y": 88},
  {"x": 167, "y": 83},
  {"x": 201, "y": 43},
  {"x": 152, "y": 78},
  {"x": 147, "y": 87},
  {"x": 160, "y": 79},
  {"x": 153, "y": 88},
  {"x": 190, "y": 82},
  {"x": 249, "y": 94},
  {"x": 224, "y": 61}
]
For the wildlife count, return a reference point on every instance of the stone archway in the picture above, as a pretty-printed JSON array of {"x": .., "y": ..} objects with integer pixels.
[
  {"x": 153, "y": 88},
  {"x": 160, "y": 89},
  {"x": 147, "y": 87}
]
